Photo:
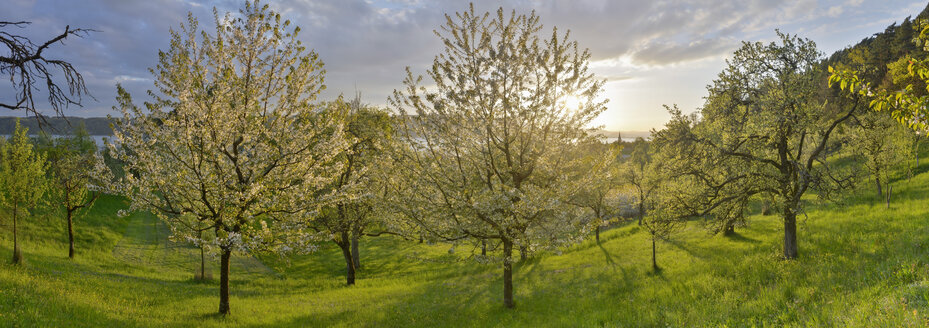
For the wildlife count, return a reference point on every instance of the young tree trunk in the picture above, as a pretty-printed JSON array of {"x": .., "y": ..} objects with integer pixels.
[
  {"x": 597, "y": 234},
  {"x": 654, "y": 261},
  {"x": 880, "y": 192},
  {"x": 356, "y": 257},
  {"x": 17, "y": 256},
  {"x": 790, "y": 233},
  {"x": 641, "y": 212},
  {"x": 202, "y": 264},
  {"x": 523, "y": 253},
  {"x": 224, "y": 281},
  {"x": 70, "y": 234},
  {"x": 483, "y": 247},
  {"x": 345, "y": 245},
  {"x": 508, "y": 274},
  {"x": 890, "y": 190}
]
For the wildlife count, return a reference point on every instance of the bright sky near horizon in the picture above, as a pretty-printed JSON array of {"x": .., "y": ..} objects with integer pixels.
[{"x": 651, "y": 52}]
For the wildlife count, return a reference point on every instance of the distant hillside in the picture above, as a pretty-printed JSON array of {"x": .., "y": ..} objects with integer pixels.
[
  {"x": 99, "y": 126},
  {"x": 877, "y": 57}
]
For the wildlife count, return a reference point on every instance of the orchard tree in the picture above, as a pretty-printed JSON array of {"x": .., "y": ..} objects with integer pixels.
[
  {"x": 78, "y": 176},
  {"x": 232, "y": 144},
  {"x": 881, "y": 144},
  {"x": 22, "y": 180},
  {"x": 489, "y": 137},
  {"x": 634, "y": 173},
  {"x": 600, "y": 200},
  {"x": 766, "y": 120},
  {"x": 369, "y": 132}
]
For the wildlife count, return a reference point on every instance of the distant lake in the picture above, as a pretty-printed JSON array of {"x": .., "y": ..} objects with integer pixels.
[{"x": 98, "y": 140}]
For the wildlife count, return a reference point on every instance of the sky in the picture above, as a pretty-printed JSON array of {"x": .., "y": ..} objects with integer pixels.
[{"x": 650, "y": 52}]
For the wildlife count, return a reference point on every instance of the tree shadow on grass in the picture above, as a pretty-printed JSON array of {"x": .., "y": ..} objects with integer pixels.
[
  {"x": 737, "y": 237},
  {"x": 607, "y": 256}
]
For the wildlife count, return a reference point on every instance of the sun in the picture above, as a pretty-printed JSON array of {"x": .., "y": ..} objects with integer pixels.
[{"x": 572, "y": 102}]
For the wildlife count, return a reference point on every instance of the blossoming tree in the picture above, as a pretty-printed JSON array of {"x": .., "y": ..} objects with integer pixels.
[
  {"x": 232, "y": 143},
  {"x": 487, "y": 146}
]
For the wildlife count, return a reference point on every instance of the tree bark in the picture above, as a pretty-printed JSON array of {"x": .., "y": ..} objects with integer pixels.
[
  {"x": 790, "y": 234},
  {"x": 17, "y": 256},
  {"x": 356, "y": 257},
  {"x": 483, "y": 247},
  {"x": 508, "y": 274},
  {"x": 654, "y": 260},
  {"x": 641, "y": 212},
  {"x": 224, "y": 281},
  {"x": 523, "y": 253},
  {"x": 345, "y": 245},
  {"x": 70, "y": 234},
  {"x": 597, "y": 234}
]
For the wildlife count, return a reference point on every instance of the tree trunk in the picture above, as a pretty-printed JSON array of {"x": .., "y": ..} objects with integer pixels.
[
  {"x": 641, "y": 212},
  {"x": 790, "y": 234},
  {"x": 508, "y": 274},
  {"x": 483, "y": 247},
  {"x": 345, "y": 245},
  {"x": 880, "y": 192},
  {"x": 70, "y": 234},
  {"x": 765, "y": 207},
  {"x": 729, "y": 230},
  {"x": 523, "y": 253},
  {"x": 224, "y": 281},
  {"x": 890, "y": 190},
  {"x": 654, "y": 261},
  {"x": 17, "y": 256},
  {"x": 597, "y": 234},
  {"x": 356, "y": 257},
  {"x": 202, "y": 264}
]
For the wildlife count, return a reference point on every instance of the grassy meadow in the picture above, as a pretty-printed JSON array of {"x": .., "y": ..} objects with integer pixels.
[{"x": 861, "y": 265}]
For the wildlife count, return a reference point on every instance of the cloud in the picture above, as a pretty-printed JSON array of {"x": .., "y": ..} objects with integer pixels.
[{"x": 661, "y": 54}]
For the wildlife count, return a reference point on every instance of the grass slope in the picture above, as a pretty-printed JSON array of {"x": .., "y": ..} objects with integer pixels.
[{"x": 860, "y": 265}]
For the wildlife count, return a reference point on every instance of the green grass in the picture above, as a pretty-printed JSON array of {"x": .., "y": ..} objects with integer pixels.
[{"x": 860, "y": 265}]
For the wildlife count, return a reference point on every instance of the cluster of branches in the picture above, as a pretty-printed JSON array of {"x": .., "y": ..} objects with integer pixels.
[{"x": 30, "y": 70}]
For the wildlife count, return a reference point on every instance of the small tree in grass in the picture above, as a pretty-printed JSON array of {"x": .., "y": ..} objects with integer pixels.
[
  {"x": 488, "y": 147},
  {"x": 22, "y": 180},
  {"x": 232, "y": 144},
  {"x": 78, "y": 175},
  {"x": 599, "y": 201}
]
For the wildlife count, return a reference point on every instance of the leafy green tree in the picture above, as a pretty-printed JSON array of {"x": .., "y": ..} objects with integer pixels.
[
  {"x": 78, "y": 175},
  {"x": 600, "y": 200},
  {"x": 881, "y": 143},
  {"x": 487, "y": 146},
  {"x": 233, "y": 144},
  {"x": 22, "y": 180},
  {"x": 634, "y": 172},
  {"x": 768, "y": 125}
]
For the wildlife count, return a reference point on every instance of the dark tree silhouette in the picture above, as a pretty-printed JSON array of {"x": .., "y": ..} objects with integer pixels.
[{"x": 29, "y": 70}]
